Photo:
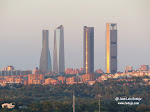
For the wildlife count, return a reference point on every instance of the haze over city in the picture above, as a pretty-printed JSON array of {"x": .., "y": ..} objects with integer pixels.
[{"x": 22, "y": 22}]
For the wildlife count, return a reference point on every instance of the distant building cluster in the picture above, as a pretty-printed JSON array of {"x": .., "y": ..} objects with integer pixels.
[
  {"x": 10, "y": 71},
  {"x": 88, "y": 51},
  {"x": 73, "y": 71},
  {"x": 99, "y": 71},
  {"x": 86, "y": 78},
  {"x": 51, "y": 81},
  {"x": 81, "y": 70},
  {"x": 144, "y": 67},
  {"x": 129, "y": 72},
  {"x": 36, "y": 78},
  {"x": 19, "y": 79},
  {"x": 58, "y": 58},
  {"x": 128, "y": 69},
  {"x": 83, "y": 75},
  {"x": 74, "y": 76}
]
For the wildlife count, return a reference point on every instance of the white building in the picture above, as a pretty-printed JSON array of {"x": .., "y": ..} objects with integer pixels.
[{"x": 8, "y": 105}]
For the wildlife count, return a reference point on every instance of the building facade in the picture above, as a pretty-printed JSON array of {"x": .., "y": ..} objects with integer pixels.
[
  {"x": 88, "y": 77},
  {"x": 128, "y": 69},
  {"x": 59, "y": 58},
  {"x": 111, "y": 48},
  {"x": 144, "y": 67},
  {"x": 35, "y": 79},
  {"x": 10, "y": 71},
  {"x": 88, "y": 50},
  {"x": 45, "y": 59}
]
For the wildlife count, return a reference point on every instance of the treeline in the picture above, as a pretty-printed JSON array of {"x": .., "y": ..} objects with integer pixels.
[
  {"x": 83, "y": 106},
  {"x": 58, "y": 98}
]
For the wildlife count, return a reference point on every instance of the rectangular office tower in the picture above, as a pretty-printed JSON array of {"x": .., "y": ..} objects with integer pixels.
[
  {"x": 111, "y": 48},
  {"x": 59, "y": 59},
  {"x": 88, "y": 49},
  {"x": 45, "y": 59}
]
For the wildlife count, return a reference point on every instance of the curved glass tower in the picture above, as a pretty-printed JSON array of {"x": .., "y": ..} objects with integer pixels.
[
  {"x": 45, "y": 59},
  {"x": 58, "y": 58}
]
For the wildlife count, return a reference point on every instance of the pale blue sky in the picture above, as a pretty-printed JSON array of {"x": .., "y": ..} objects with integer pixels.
[{"x": 22, "y": 22}]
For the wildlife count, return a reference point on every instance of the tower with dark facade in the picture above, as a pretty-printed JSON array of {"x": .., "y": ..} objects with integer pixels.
[
  {"x": 111, "y": 48},
  {"x": 45, "y": 59},
  {"x": 88, "y": 50},
  {"x": 59, "y": 58}
]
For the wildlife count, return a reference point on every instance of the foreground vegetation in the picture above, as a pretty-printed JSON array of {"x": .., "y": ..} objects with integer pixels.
[{"x": 58, "y": 98}]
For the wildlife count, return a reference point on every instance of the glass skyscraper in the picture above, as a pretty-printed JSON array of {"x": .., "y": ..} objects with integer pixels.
[
  {"x": 59, "y": 59},
  {"x": 45, "y": 59},
  {"x": 111, "y": 48},
  {"x": 88, "y": 49}
]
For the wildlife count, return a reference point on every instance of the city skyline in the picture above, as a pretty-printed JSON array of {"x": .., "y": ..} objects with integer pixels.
[
  {"x": 75, "y": 55},
  {"x": 20, "y": 30}
]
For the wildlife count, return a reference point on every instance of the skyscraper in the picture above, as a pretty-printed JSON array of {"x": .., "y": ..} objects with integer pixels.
[
  {"x": 45, "y": 59},
  {"x": 59, "y": 59},
  {"x": 88, "y": 49},
  {"x": 111, "y": 48}
]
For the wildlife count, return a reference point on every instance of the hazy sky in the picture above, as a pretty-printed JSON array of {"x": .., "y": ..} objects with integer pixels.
[{"x": 22, "y": 22}]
